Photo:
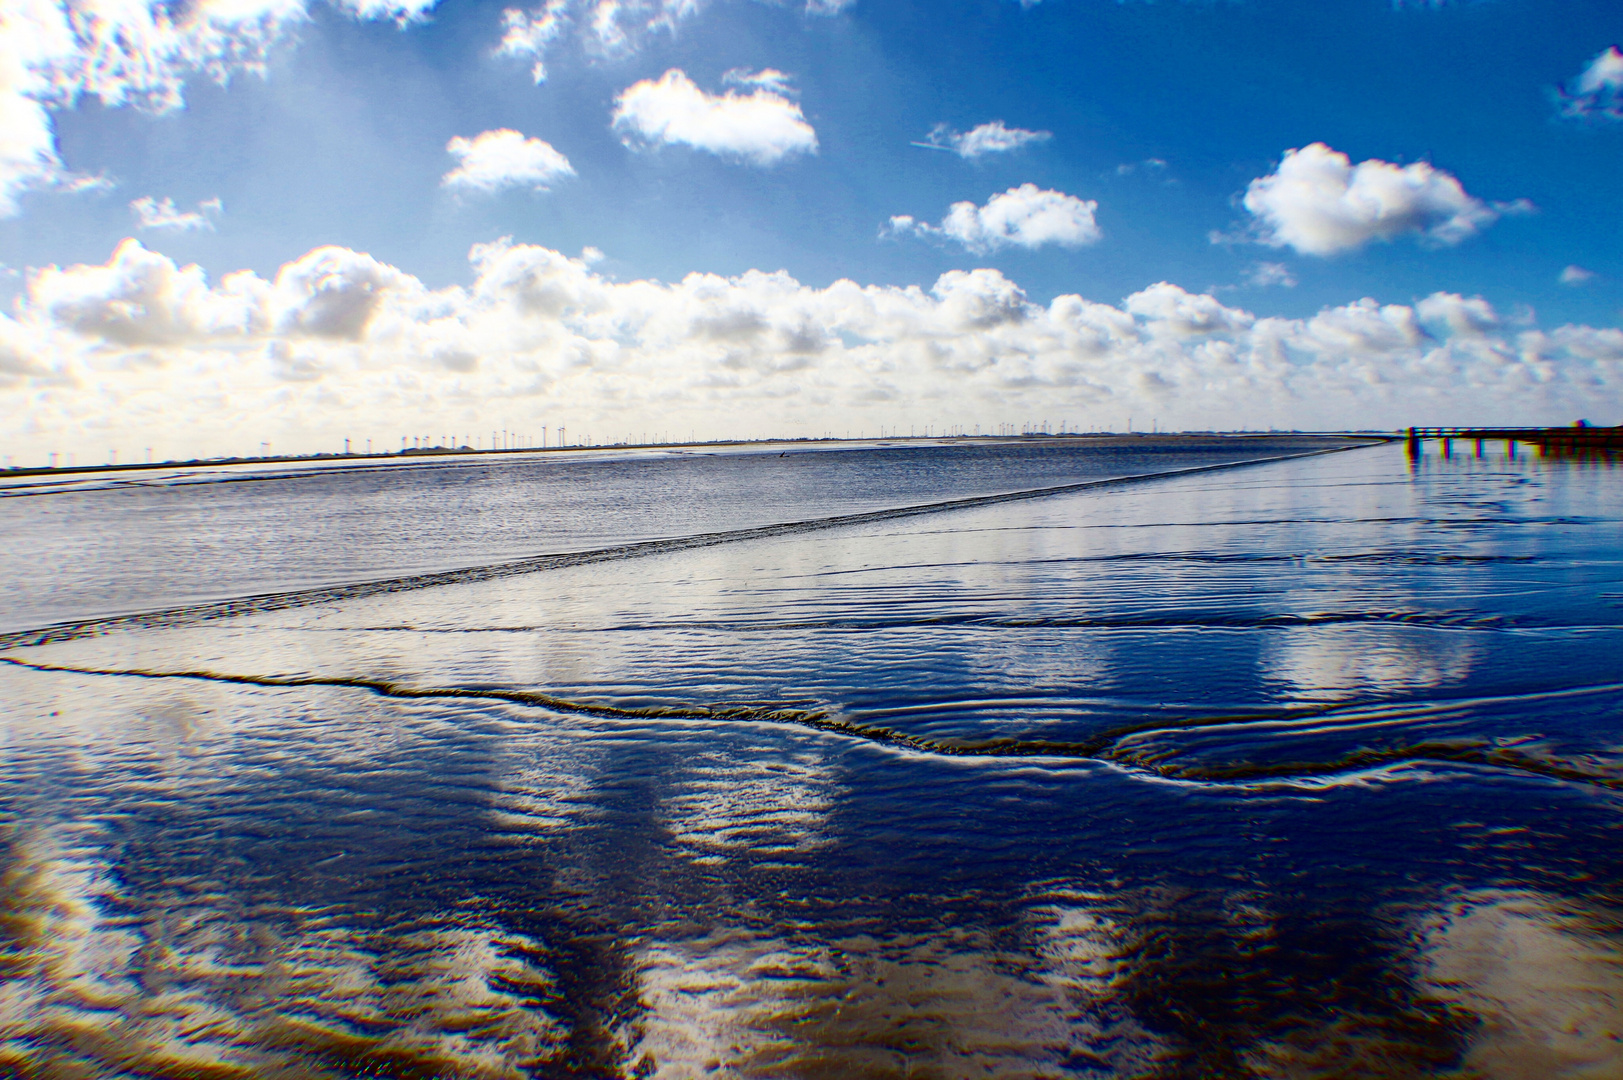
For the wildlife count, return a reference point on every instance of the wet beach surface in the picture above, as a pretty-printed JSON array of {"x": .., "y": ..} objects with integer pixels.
[
  {"x": 1308, "y": 768},
  {"x": 79, "y": 545}
]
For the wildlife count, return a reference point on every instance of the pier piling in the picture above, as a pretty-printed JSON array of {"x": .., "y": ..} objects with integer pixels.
[{"x": 1580, "y": 442}]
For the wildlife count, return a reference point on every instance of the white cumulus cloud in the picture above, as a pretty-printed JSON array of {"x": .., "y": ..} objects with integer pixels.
[
  {"x": 54, "y": 53},
  {"x": 504, "y": 158},
  {"x": 1575, "y": 275},
  {"x": 1168, "y": 309},
  {"x": 762, "y": 127},
  {"x": 162, "y": 213},
  {"x": 983, "y": 139},
  {"x": 1466, "y": 318},
  {"x": 1319, "y": 203},
  {"x": 1597, "y": 92},
  {"x": 1023, "y": 216},
  {"x": 153, "y": 353}
]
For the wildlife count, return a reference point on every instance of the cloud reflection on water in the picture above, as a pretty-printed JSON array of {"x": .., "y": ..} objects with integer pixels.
[
  {"x": 1341, "y": 663},
  {"x": 320, "y": 881},
  {"x": 1544, "y": 976},
  {"x": 948, "y": 1004}
]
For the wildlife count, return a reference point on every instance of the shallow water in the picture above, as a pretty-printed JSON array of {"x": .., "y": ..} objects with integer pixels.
[
  {"x": 1306, "y": 768},
  {"x": 75, "y": 545}
]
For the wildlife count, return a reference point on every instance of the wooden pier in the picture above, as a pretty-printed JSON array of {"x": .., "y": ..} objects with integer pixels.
[{"x": 1581, "y": 441}]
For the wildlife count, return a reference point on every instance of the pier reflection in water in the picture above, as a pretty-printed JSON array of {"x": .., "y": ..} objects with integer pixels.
[{"x": 1306, "y": 769}]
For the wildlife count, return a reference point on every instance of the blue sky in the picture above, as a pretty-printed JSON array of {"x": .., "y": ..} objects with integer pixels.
[{"x": 1473, "y": 205}]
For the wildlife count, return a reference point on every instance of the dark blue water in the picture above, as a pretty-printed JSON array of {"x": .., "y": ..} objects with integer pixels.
[{"x": 1304, "y": 769}]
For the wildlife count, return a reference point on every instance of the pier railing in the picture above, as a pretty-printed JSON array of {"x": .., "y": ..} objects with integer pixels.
[{"x": 1577, "y": 441}]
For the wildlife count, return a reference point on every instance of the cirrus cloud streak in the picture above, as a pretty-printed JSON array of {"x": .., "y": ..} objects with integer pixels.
[
  {"x": 983, "y": 139},
  {"x": 162, "y": 213},
  {"x": 1597, "y": 93},
  {"x": 604, "y": 28}
]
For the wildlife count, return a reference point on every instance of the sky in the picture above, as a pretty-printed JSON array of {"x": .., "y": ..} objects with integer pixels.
[{"x": 231, "y": 223}]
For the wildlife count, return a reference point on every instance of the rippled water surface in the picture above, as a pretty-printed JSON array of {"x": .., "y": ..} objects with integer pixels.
[
  {"x": 133, "y": 541},
  {"x": 1305, "y": 768}
]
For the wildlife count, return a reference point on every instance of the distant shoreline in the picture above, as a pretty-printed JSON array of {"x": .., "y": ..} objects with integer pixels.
[{"x": 1138, "y": 438}]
